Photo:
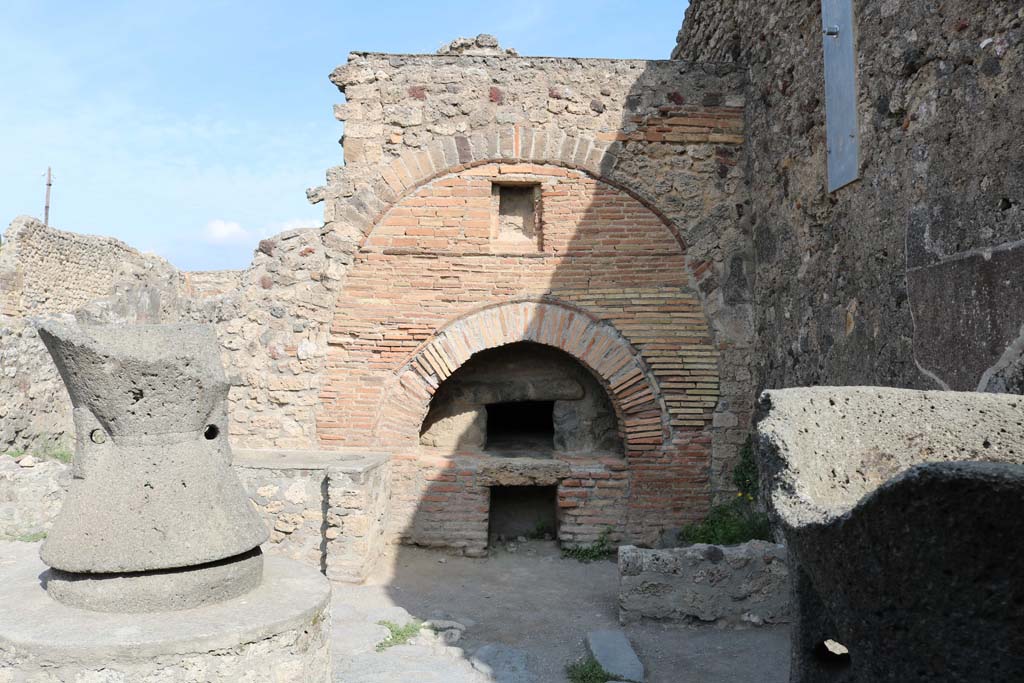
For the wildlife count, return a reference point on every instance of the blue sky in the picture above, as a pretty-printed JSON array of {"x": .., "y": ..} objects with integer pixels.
[{"x": 192, "y": 128}]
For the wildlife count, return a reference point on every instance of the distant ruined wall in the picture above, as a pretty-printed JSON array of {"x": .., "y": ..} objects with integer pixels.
[
  {"x": 270, "y": 321},
  {"x": 914, "y": 275},
  {"x": 44, "y": 271}
]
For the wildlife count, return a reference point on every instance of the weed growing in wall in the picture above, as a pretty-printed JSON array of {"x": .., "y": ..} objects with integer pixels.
[
  {"x": 745, "y": 475},
  {"x": 739, "y": 520},
  {"x": 601, "y": 549}
]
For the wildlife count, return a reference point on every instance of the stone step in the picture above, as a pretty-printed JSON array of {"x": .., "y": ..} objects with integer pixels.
[{"x": 612, "y": 650}]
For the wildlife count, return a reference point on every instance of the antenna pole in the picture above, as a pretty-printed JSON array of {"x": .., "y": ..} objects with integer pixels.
[{"x": 46, "y": 209}]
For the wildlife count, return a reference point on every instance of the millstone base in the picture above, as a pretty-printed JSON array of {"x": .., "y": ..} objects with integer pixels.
[
  {"x": 279, "y": 631},
  {"x": 158, "y": 591}
]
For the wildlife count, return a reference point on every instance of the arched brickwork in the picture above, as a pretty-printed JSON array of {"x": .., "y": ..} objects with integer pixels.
[
  {"x": 515, "y": 144},
  {"x": 597, "y": 345},
  {"x": 609, "y": 283}
]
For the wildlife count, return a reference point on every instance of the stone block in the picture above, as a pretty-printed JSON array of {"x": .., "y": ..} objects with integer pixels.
[
  {"x": 740, "y": 585},
  {"x": 894, "y": 504}
]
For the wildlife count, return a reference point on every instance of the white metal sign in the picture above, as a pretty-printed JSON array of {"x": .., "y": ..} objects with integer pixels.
[{"x": 841, "y": 127}]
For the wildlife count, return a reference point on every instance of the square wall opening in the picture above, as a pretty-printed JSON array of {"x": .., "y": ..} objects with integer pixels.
[
  {"x": 522, "y": 426},
  {"x": 529, "y": 511},
  {"x": 515, "y": 221}
]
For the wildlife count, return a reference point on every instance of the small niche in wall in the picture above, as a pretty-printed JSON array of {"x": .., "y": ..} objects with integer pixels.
[
  {"x": 515, "y": 223},
  {"x": 517, "y": 511}
]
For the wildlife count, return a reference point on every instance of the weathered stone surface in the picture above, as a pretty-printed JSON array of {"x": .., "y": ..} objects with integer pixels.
[
  {"x": 483, "y": 44},
  {"x": 503, "y": 664},
  {"x": 879, "y": 282},
  {"x": 523, "y": 472},
  {"x": 613, "y": 652},
  {"x": 583, "y": 417},
  {"x": 30, "y": 497},
  {"x": 277, "y": 633},
  {"x": 898, "y": 507},
  {"x": 746, "y": 584},
  {"x": 152, "y": 487},
  {"x": 157, "y": 591}
]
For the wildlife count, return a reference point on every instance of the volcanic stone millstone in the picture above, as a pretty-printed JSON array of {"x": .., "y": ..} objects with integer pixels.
[
  {"x": 152, "y": 488},
  {"x": 902, "y": 512}
]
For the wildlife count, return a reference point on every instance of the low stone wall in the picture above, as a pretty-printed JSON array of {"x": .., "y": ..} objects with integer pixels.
[
  {"x": 358, "y": 503},
  {"x": 746, "y": 584},
  {"x": 291, "y": 501},
  {"x": 326, "y": 509},
  {"x": 31, "y": 493}
]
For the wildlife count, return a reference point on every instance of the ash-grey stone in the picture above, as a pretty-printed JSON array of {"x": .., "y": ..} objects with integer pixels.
[
  {"x": 157, "y": 490},
  {"x": 157, "y": 591},
  {"x": 50, "y": 634},
  {"x": 503, "y": 663},
  {"x": 901, "y": 511},
  {"x": 734, "y": 585},
  {"x": 613, "y": 652}
]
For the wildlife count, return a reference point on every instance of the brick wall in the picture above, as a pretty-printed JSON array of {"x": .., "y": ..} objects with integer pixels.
[
  {"x": 604, "y": 257},
  {"x": 669, "y": 132}
]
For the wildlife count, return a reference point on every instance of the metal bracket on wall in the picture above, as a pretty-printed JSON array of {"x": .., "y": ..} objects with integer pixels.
[{"x": 842, "y": 131}]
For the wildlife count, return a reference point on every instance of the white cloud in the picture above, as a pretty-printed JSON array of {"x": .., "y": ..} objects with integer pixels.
[
  {"x": 222, "y": 232},
  {"x": 219, "y": 231}
]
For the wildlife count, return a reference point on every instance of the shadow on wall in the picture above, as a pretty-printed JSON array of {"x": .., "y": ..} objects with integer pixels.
[{"x": 513, "y": 265}]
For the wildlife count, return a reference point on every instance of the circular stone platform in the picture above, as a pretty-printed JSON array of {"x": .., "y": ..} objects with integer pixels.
[{"x": 280, "y": 631}]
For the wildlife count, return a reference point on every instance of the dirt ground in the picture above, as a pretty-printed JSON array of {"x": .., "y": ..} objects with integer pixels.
[{"x": 542, "y": 606}]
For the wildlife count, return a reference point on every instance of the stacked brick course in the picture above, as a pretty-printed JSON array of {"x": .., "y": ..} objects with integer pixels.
[{"x": 612, "y": 278}]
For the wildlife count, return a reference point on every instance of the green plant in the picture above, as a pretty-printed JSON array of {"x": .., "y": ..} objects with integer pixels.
[
  {"x": 601, "y": 549},
  {"x": 31, "y": 538},
  {"x": 744, "y": 475},
  {"x": 399, "y": 635},
  {"x": 587, "y": 671},
  {"x": 734, "y": 522},
  {"x": 16, "y": 453},
  {"x": 540, "y": 531},
  {"x": 55, "y": 451}
]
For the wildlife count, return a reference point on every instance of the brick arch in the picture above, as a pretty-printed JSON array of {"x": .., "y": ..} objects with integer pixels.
[
  {"x": 515, "y": 144},
  {"x": 598, "y": 345}
]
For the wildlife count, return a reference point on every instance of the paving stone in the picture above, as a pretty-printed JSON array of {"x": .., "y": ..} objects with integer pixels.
[
  {"x": 503, "y": 664},
  {"x": 613, "y": 652},
  {"x": 352, "y": 638}
]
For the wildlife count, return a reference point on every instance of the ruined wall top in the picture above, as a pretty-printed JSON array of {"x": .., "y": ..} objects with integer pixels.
[
  {"x": 43, "y": 270},
  {"x": 483, "y": 44}
]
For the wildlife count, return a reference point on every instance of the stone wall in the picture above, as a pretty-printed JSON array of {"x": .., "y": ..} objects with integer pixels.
[
  {"x": 44, "y": 271},
  {"x": 290, "y": 498},
  {"x": 358, "y": 506},
  {"x": 739, "y": 585},
  {"x": 913, "y": 275},
  {"x": 31, "y": 493},
  {"x": 325, "y": 509}
]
